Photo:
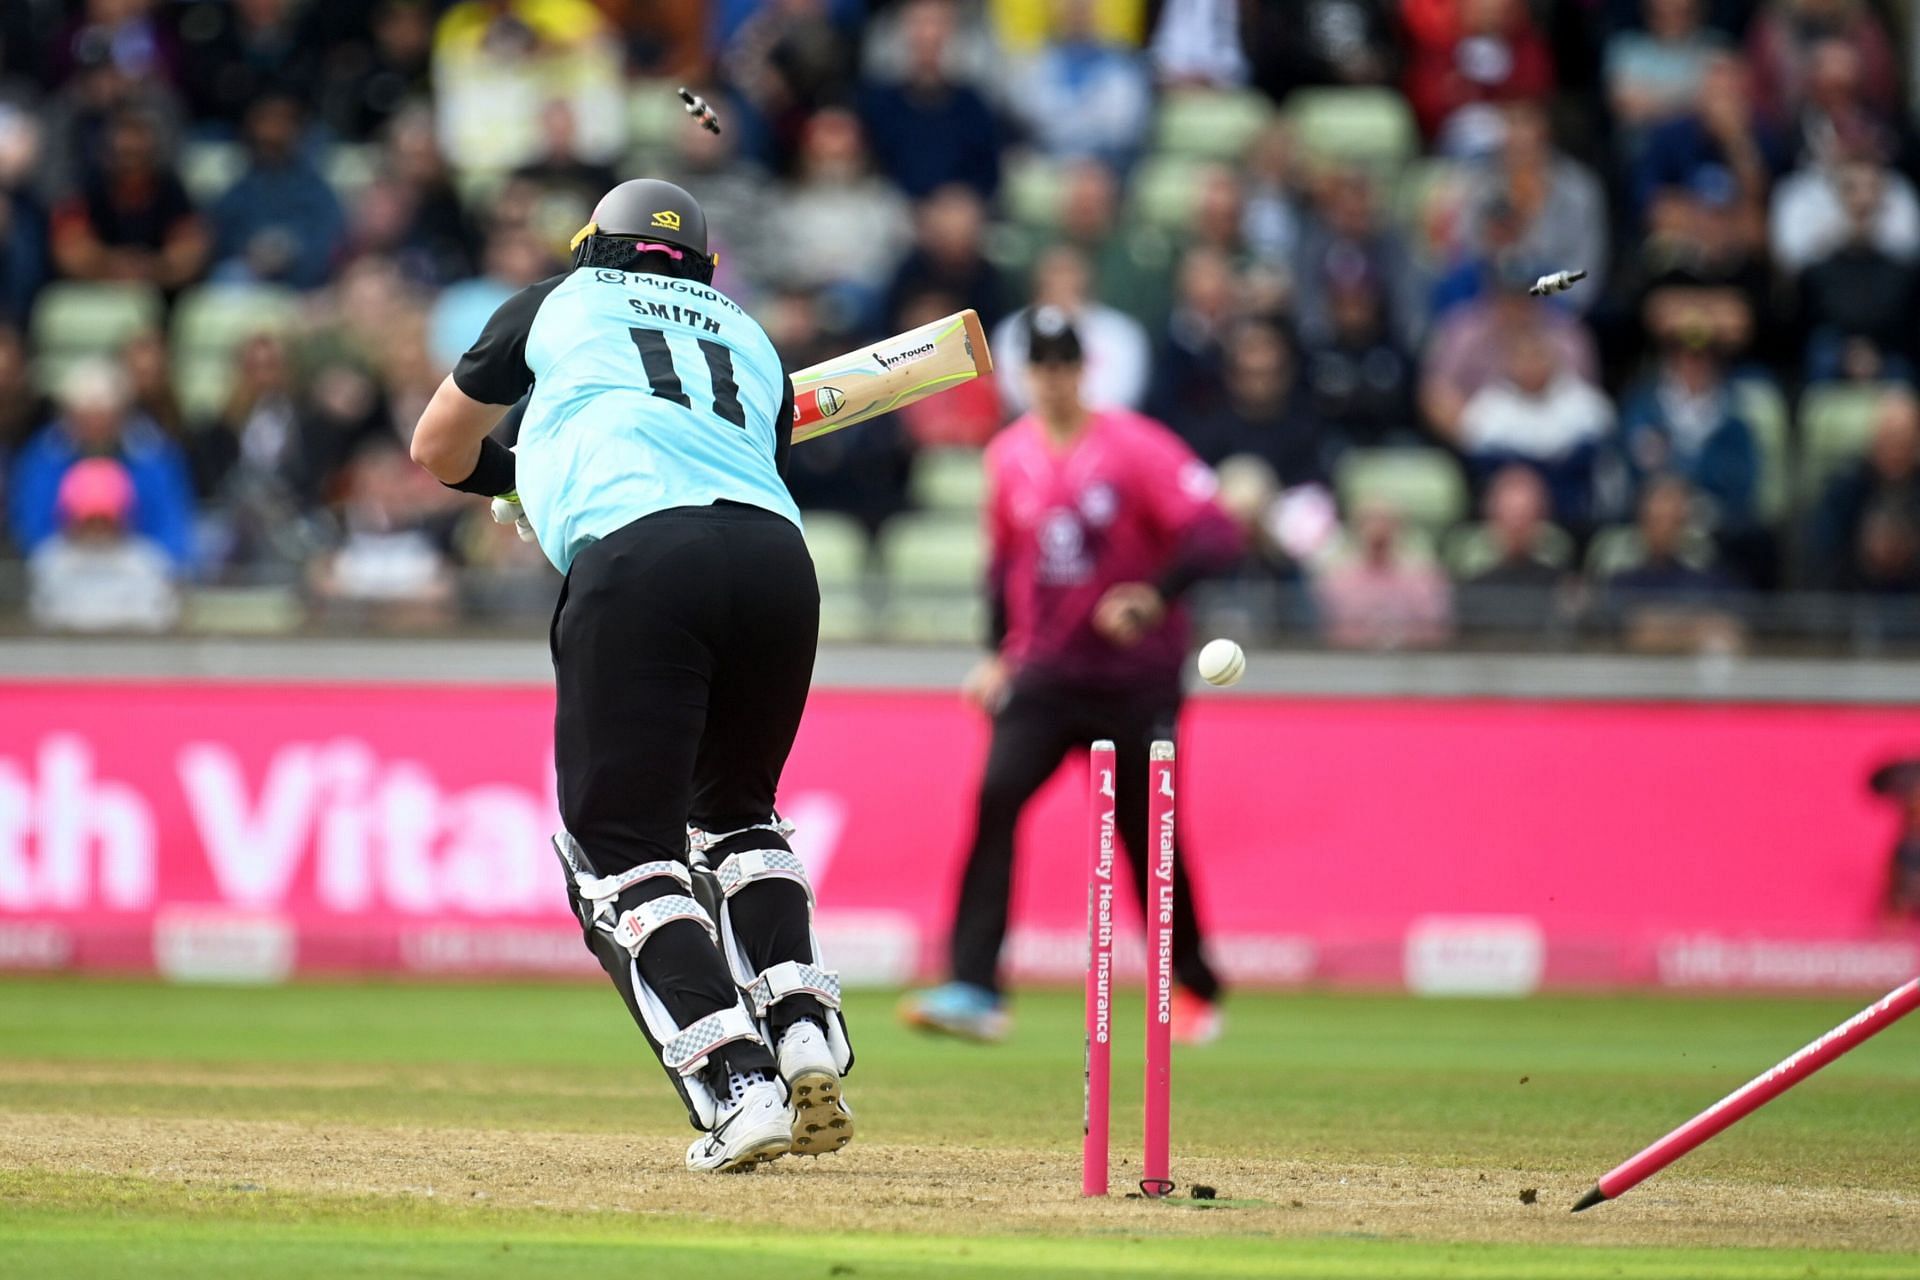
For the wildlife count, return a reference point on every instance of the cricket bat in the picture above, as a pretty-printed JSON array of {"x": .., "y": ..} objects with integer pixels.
[{"x": 907, "y": 367}]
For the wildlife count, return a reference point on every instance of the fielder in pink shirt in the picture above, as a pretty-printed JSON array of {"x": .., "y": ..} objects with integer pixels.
[{"x": 1099, "y": 522}]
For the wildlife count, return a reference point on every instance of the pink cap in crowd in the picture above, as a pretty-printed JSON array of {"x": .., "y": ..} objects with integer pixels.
[{"x": 95, "y": 489}]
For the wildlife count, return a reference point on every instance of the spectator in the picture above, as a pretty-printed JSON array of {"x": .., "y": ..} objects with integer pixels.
[
  {"x": 1718, "y": 145},
  {"x": 515, "y": 258},
  {"x": 1887, "y": 560},
  {"x": 1465, "y": 55},
  {"x": 1836, "y": 115},
  {"x": 24, "y": 250},
  {"x": 1118, "y": 357},
  {"x": 280, "y": 223},
  {"x": 125, "y": 35},
  {"x": 1082, "y": 95},
  {"x": 412, "y": 213},
  {"x": 1516, "y": 508},
  {"x": 1262, "y": 413},
  {"x": 1132, "y": 264},
  {"x": 22, "y": 408},
  {"x": 1466, "y": 349},
  {"x": 929, "y": 130},
  {"x": 949, "y": 258},
  {"x": 391, "y": 567},
  {"x": 1540, "y": 412},
  {"x": 1558, "y": 205},
  {"x": 1781, "y": 44},
  {"x": 843, "y": 229},
  {"x": 497, "y": 62},
  {"x": 1383, "y": 595},
  {"x": 1667, "y": 602},
  {"x": 374, "y": 73},
  {"x": 1345, "y": 224},
  {"x": 1683, "y": 419},
  {"x": 1272, "y": 221},
  {"x": 787, "y": 60},
  {"x": 1886, "y": 478},
  {"x": 1818, "y": 211},
  {"x": 96, "y": 422},
  {"x": 1655, "y": 74},
  {"x": 1858, "y": 302},
  {"x": 95, "y": 574},
  {"x": 1188, "y": 371},
  {"x": 562, "y": 173},
  {"x": 1359, "y": 381},
  {"x": 131, "y": 220},
  {"x": 240, "y": 52},
  {"x": 1320, "y": 42},
  {"x": 1196, "y": 43},
  {"x": 79, "y": 117},
  {"x": 148, "y": 364}
]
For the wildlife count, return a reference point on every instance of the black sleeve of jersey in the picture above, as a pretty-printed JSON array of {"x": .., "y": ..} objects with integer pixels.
[
  {"x": 495, "y": 370},
  {"x": 783, "y": 433}
]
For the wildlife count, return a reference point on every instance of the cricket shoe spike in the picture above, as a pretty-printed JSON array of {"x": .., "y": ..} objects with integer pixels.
[
  {"x": 822, "y": 1121},
  {"x": 758, "y": 1127}
]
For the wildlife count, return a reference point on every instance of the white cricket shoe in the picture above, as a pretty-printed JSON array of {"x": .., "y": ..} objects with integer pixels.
[
  {"x": 759, "y": 1127},
  {"x": 821, "y": 1120}
]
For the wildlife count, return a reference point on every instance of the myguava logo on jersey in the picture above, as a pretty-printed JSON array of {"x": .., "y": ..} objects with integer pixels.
[{"x": 829, "y": 400}]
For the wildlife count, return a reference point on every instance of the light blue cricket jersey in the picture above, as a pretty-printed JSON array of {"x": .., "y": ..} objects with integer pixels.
[{"x": 647, "y": 393}]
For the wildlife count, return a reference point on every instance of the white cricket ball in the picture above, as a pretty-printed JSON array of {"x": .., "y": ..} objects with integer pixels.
[{"x": 1222, "y": 662}]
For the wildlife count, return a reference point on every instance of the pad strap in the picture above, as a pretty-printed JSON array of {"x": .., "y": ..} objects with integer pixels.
[
  {"x": 647, "y": 919},
  {"x": 602, "y": 890},
  {"x": 687, "y": 1052},
  {"x": 701, "y": 841},
  {"x": 793, "y": 978},
  {"x": 741, "y": 869}
]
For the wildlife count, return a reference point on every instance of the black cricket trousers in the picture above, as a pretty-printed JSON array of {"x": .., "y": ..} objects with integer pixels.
[
  {"x": 683, "y": 648},
  {"x": 1044, "y": 720}
]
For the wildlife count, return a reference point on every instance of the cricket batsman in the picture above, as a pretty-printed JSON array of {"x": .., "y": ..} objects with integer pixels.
[
  {"x": 1099, "y": 521},
  {"x": 650, "y": 466}
]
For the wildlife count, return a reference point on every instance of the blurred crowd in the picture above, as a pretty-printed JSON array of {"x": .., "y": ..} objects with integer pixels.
[{"x": 244, "y": 239}]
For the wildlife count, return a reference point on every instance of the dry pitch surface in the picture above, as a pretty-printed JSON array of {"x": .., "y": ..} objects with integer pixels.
[{"x": 426, "y": 1130}]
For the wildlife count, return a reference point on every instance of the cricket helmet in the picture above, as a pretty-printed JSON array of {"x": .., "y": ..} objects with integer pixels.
[{"x": 647, "y": 224}]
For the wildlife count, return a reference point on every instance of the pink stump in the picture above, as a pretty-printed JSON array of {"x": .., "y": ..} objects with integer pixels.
[
  {"x": 1154, "y": 1179},
  {"x": 1095, "y": 1145},
  {"x": 1756, "y": 1093}
]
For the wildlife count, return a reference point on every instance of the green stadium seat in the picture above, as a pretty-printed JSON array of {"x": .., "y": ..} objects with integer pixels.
[
  {"x": 1210, "y": 123},
  {"x": 1424, "y": 485},
  {"x": 1618, "y": 548},
  {"x": 839, "y": 547},
  {"x": 949, "y": 480},
  {"x": 933, "y": 550},
  {"x": 1836, "y": 421},
  {"x": 1165, "y": 188},
  {"x": 1354, "y": 125},
  {"x": 207, "y": 169},
  {"x": 350, "y": 168},
  {"x": 1765, "y": 411},
  {"x": 202, "y": 384},
  {"x": 1033, "y": 189},
  {"x": 214, "y": 319},
  {"x": 1468, "y": 550},
  {"x": 74, "y": 320},
  {"x": 935, "y": 619}
]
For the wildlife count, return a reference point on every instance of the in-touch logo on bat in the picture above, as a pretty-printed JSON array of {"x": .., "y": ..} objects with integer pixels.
[{"x": 910, "y": 354}]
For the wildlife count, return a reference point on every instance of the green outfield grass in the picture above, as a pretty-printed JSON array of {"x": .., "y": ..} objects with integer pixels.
[{"x": 1467, "y": 1102}]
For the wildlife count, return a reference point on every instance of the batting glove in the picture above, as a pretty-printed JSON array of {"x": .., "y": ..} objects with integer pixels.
[{"x": 507, "y": 510}]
